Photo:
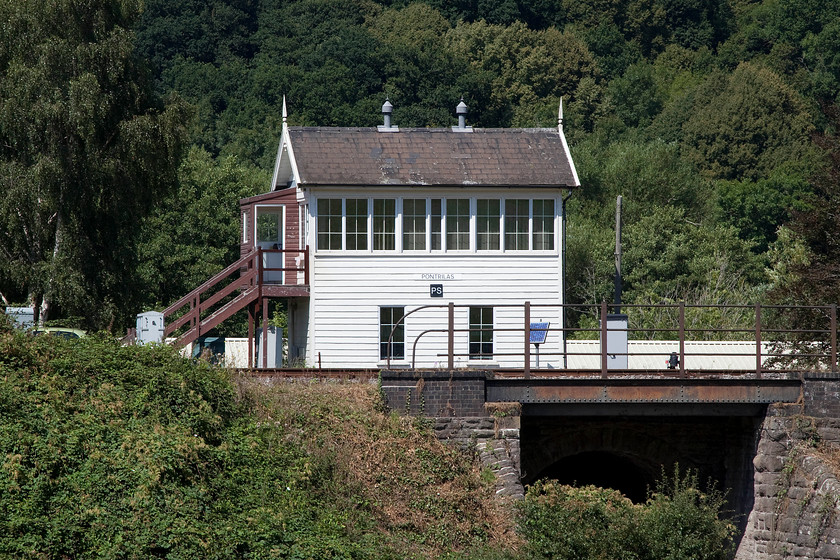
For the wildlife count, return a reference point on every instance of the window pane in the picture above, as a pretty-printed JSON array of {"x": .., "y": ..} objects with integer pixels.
[
  {"x": 543, "y": 225},
  {"x": 436, "y": 217},
  {"x": 388, "y": 317},
  {"x": 488, "y": 224},
  {"x": 384, "y": 224},
  {"x": 414, "y": 224},
  {"x": 516, "y": 225},
  {"x": 458, "y": 224},
  {"x": 357, "y": 215},
  {"x": 481, "y": 333},
  {"x": 329, "y": 223}
]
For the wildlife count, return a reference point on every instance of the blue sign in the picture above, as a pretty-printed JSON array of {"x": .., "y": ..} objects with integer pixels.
[
  {"x": 436, "y": 290},
  {"x": 539, "y": 332}
]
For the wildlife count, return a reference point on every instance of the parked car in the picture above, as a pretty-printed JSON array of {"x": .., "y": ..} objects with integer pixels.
[{"x": 63, "y": 332}]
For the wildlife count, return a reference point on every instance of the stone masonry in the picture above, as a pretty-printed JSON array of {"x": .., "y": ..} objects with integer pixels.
[
  {"x": 796, "y": 513},
  {"x": 455, "y": 400}
]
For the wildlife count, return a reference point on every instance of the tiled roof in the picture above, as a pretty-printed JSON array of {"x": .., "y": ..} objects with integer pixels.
[{"x": 422, "y": 156}]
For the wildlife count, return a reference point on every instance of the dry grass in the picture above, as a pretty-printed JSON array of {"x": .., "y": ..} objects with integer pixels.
[{"x": 427, "y": 499}]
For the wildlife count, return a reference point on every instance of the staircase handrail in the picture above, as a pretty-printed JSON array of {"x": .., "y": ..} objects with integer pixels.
[{"x": 210, "y": 283}]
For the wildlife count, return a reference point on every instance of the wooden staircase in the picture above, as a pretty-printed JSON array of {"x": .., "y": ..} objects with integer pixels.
[{"x": 231, "y": 290}]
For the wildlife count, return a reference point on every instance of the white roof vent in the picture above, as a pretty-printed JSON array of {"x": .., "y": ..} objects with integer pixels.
[
  {"x": 461, "y": 110},
  {"x": 387, "y": 109}
]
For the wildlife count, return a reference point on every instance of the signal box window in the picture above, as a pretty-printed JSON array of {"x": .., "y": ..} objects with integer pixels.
[
  {"x": 481, "y": 333},
  {"x": 516, "y": 225},
  {"x": 329, "y": 223},
  {"x": 414, "y": 224},
  {"x": 543, "y": 225},
  {"x": 488, "y": 213},
  {"x": 458, "y": 224},
  {"x": 357, "y": 229},
  {"x": 388, "y": 317},
  {"x": 384, "y": 224}
]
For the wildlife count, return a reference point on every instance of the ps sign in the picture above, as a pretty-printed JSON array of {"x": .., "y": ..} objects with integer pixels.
[{"x": 436, "y": 290}]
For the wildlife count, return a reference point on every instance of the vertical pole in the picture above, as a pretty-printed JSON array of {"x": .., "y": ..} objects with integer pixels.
[
  {"x": 197, "y": 316},
  {"x": 682, "y": 339},
  {"x": 527, "y": 330},
  {"x": 758, "y": 341},
  {"x": 306, "y": 265},
  {"x": 603, "y": 339},
  {"x": 833, "y": 337},
  {"x": 251, "y": 309},
  {"x": 617, "y": 282},
  {"x": 451, "y": 335},
  {"x": 265, "y": 332},
  {"x": 259, "y": 264}
]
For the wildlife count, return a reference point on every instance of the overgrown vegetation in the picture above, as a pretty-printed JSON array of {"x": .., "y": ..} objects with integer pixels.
[
  {"x": 135, "y": 452},
  {"x": 131, "y": 452},
  {"x": 678, "y": 522}
]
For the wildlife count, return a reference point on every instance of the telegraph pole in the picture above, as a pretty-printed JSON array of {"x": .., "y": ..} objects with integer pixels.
[{"x": 618, "y": 287}]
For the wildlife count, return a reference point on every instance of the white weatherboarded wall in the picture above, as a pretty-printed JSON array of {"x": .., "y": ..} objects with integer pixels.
[{"x": 348, "y": 290}]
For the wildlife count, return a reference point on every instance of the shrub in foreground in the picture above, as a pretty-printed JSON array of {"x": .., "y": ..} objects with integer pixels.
[{"x": 678, "y": 522}]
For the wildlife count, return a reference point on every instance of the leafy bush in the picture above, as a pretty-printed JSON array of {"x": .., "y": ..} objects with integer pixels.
[
  {"x": 134, "y": 452},
  {"x": 678, "y": 522}
]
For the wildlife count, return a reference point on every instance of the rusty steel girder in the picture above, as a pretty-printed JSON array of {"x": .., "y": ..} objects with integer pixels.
[{"x": 643, "y": 391}]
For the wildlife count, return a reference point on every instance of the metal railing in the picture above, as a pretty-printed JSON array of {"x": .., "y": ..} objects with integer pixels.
[{"x": 781, "y": 337}]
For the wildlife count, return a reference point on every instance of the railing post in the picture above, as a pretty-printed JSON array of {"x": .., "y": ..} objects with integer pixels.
[
  {"x": 603, "y": 339},
  {"x": 251, "y": 309},
  {"x": 833, "y": 337},
  {"x": 264, "y": 347},
  {"x": 527, "y": 330},
  {"x": 758, "y": 341},
  {"x": 306, "y": 265},
  {"x": 259, "y": 266},
  {"x": 451, "y": 334},
  {"x": 196, "y": 319},
  {"x": 682, "y": 339}
]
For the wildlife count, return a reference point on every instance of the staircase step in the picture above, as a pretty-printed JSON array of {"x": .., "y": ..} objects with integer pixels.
[{"x": 224, "y": 312}]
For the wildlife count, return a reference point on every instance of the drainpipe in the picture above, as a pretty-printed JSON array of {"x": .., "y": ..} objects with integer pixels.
[{"x": 563, "y": 275}]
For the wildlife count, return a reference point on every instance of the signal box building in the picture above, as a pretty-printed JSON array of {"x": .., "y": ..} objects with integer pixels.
[{"x": 364, "y": 225}]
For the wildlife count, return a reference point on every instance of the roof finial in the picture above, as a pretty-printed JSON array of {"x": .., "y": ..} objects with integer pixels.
[
  {"x": 284, "y": 110},
  {"x": 560, "y": 117}
]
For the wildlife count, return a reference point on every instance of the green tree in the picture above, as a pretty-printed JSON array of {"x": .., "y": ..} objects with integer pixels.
[
  {"x": 85, "y": 150},
  {"x": 746, "y": 124},
  {"x": 806, "y": 258},
  {"x": 525, "y": 65},
  {"x": 758, "y": 208},
  {"x": 194, "y": 232},
  {"x": 668, "y": 255}
]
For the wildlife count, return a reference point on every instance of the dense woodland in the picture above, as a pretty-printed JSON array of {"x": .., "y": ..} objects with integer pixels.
[{"x": 129, "y": 131}]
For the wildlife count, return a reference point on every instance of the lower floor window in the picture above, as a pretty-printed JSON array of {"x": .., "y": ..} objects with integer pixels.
[
  {"x": 481, "y": 333},
  {"x": 388, "y": 317}
]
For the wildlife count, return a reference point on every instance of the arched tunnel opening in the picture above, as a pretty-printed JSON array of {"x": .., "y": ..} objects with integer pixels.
[
  {"x": 630, "y": 453},
  {"x": 603, "y": 469}
]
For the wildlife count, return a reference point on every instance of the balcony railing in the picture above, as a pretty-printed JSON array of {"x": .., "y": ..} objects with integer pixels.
[{"x": 771, "y": 337}]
